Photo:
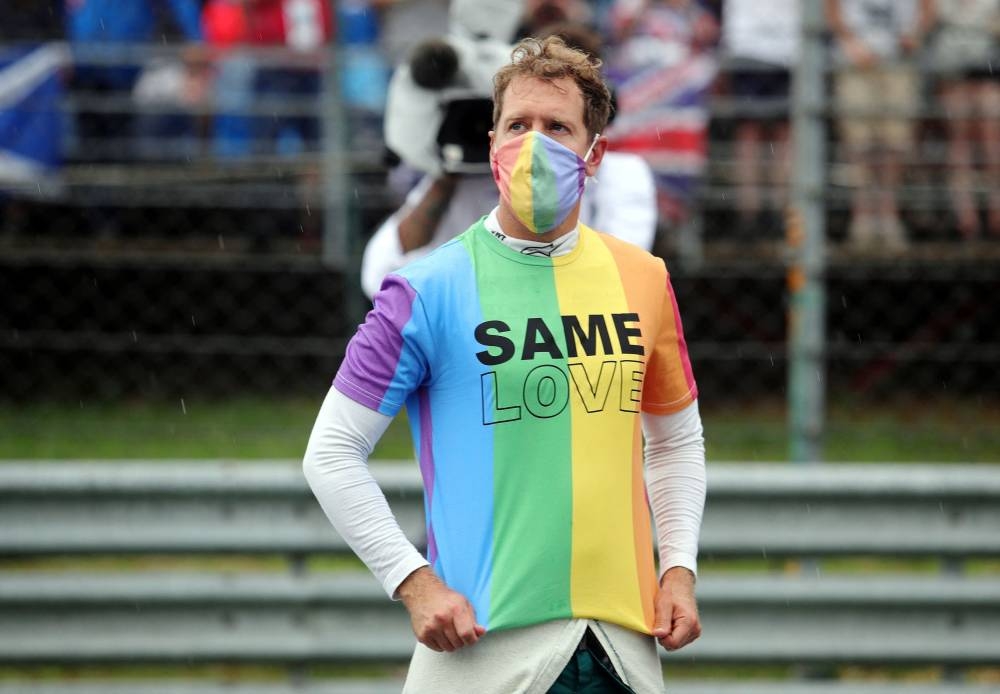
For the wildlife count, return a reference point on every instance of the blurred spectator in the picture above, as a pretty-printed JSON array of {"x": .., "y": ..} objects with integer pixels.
[
  {"x": 877, "y": 93},
  {"x": 965, "y": 57},
  {"x": 304, "y": 26},
  {"x": 169, "y": 92},
  {"x": 98, "y": 29},
  {"x": 225, "y": 25},
  {"x": 662, "y": 69},
  {"x": 247, "y": 84},
  {"x": 761, "y": 39}
]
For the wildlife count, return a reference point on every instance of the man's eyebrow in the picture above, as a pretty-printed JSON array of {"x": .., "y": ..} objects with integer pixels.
[{"x": 562, "y": 119}]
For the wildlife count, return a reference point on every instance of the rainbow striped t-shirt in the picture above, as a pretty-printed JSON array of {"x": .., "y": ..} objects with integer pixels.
[{"x": 523, "y": 377}]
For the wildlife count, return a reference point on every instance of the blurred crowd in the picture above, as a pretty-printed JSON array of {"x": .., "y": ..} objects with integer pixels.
[{"x": 248, "y": 78}]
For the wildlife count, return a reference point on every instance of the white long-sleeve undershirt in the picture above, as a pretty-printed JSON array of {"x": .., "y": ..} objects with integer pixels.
[{"x": 345, "y": 432}]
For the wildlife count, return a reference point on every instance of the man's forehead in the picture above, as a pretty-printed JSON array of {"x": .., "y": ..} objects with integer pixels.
[{"x": 561, "y": 97}]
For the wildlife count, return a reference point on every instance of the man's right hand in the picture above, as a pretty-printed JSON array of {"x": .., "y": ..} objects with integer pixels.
[{"x": 442, "y": 619}]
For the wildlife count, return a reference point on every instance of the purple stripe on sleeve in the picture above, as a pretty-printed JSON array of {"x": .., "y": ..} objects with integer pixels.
[
  {"x": 426, "y": 457},
  {"x": 374, "y": 352}
]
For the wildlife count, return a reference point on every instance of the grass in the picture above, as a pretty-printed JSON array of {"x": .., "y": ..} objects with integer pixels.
[{"x": 257, "y": 428}]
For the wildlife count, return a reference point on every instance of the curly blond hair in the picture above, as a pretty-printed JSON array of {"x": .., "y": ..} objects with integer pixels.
[{"x": 551, "y": 59}]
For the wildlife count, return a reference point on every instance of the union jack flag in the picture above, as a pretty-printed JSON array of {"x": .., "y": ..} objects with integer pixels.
[{"x": 662, "y": 83}]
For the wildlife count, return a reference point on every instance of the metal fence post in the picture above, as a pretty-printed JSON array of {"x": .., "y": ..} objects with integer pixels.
[
  {"x": 340, "y": 245},
  {"x": 807, "y": 244}
]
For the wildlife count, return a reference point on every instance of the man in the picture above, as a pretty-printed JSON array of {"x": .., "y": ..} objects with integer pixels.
[
  {"x": 877, "y": 90},
  {"x": 761, "y": 38},
  {"x": 533, "y": 354}
]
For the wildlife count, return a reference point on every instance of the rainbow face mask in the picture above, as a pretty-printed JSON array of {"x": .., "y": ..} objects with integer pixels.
[{"x": 540, "y": 179}]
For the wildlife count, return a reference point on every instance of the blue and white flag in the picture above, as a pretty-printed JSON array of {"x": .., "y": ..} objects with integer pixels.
[{"x": 31, "y": 125}]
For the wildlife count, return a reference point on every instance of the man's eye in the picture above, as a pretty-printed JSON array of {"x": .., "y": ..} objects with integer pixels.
[
  {"x": 517, "y": 126},
  {"x": 557, "y": 127}
]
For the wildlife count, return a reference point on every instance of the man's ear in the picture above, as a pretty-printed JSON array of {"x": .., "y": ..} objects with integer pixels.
[
  {"x": 596, "y": 155},
  {"x": 492, "y": 134}
]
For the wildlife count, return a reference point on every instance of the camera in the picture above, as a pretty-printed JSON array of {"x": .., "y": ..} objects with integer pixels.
[{"x": 439, "y": 107}]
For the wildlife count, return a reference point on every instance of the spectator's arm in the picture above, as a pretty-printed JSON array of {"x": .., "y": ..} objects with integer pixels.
[
  {"x": 853, "y": 47},
  {"x": 418, "y": 224},
  {"x": 926, "y": 16}
]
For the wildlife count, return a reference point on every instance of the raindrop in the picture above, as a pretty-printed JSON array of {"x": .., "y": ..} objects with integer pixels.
[
  {"x": 843, "y": 300},
  {"x": 183, "y": 406},
  {"x": 308, "y": 210},
  {"x": 135, "y": 338},
  {"x": 859, "y": 338},
  {"x": 772, "y": 147},
  {"x": 193, "y": 323},
  {"x": 222, "y": 243},
  {"x": 657, "y": 133},
  {"x": 771, "y": 356}
]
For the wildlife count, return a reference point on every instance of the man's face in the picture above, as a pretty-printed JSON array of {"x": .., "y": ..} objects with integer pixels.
[{"x": 552, "y": 107}]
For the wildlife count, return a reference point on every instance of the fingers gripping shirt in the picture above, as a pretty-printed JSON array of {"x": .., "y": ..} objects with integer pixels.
[{"x": 523, "y": 378}]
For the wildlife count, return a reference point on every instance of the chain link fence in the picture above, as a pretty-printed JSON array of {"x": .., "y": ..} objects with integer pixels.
[{"x": 210, "y": 244}]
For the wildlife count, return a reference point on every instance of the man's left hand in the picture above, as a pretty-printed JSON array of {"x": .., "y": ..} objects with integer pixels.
[{"x": 676, "y": 622}]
